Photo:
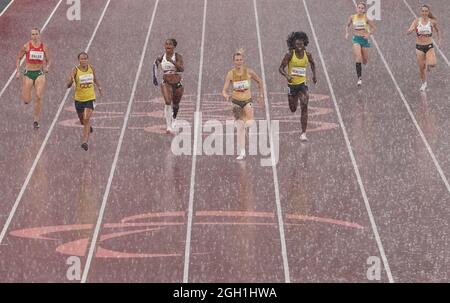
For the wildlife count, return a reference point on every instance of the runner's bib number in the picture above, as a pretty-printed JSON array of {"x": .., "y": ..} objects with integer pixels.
[
  {"x": 298, "y": 71},
  {"x": 241, "y": 85},
  {"x": 359, "y": 25},
  {"x": 86, "y": 81},
  {"x": 36, "y": 55},
  {"x": 168, "y": 68}
]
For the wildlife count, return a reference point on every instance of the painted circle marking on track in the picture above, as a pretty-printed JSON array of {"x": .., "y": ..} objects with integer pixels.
[{"x": 213, "y": 108}]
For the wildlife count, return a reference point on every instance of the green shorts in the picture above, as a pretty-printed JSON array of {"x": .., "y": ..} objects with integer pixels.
[
  {"x": 361, "y": 41},
  {"x": 33, "y": 74}
]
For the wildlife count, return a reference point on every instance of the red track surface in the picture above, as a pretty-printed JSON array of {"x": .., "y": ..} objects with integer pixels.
[{"x": 235, "y": 227}]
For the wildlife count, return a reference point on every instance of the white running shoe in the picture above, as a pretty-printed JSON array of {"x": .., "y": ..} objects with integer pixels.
[
  {"x": 169, "y": 130},
  {"x": 174, "y": 121},
  {"x": 303, "y": 137},
  {"x": 423, "y": 87},
  {"x": 241, "y": 155},
  {"x": 359, "y": 83}
]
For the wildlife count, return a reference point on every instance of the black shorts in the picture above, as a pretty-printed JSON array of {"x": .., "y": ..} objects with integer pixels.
[
  {"x": 242, "y": 104},
  {"x": 238, "y": 109},
  {"x": 174, "y": 86},
  {"x": 424, "y": 48},
  {"x": 80, "y": 106},
  {"x": 293, "y": 90}
]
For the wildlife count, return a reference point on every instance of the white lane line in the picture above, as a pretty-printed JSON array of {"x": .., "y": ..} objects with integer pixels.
[
  {"x": 116, "y": 156},
  {"x": 352, "y": 156},
  {"x": 4, "y": 10},
  {"x": 434, "y": 42},
  {"x": 23, "y": 59},
  {"x": 287, "y": 277},
  {"x": 44, "y": 143},
  {"x": 187, "y": 251},
  {"x": 411, "y": 114}
]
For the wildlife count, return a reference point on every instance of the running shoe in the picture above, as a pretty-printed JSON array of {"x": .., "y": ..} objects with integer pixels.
[
  {"x": 359, "y": 83},
  {"x": 36, "y": 125},
  {"x": 303, "y": 137},
  {"x": 91, "y": 129},
  {"x": 241, "y": 155},
  {"x": 423, "y": 87},
  {"x": 84, "y": 146}
]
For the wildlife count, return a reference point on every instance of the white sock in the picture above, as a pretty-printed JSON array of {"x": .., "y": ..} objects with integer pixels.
[{"x": 168, "y": 115}]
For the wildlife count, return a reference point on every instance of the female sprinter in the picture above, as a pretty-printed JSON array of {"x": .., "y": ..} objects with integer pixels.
[
  {"x": 171, "y": 87},
  {"x": 297, "y": 60},
  {"x": 36, "y": 66},
  {"x": 241, "y": 97},
  {"x": 424, "y": 26},
  {"x": 363, "y": 28},
  {"x": 84, "y": 77}
]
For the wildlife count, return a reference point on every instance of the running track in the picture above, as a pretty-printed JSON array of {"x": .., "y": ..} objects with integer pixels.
[{"x": 372, "y": 180}]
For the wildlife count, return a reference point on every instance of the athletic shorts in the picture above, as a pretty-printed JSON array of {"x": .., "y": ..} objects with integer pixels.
[
  {"x": 294, "y": 90},
  {"x": 361, "y": 41},
  {"x": 424, "y": 48},
  {"x": 174, "y": 86},
  {"x": 80, "y": 106},
  {"x": 33, "y": 74},
  {"x": 237, "y": 110}
]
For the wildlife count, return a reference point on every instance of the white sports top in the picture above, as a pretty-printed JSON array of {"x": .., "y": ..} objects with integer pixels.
[
  {"x": 424, "y": 30},
  {"x": 168, "y": 67}
]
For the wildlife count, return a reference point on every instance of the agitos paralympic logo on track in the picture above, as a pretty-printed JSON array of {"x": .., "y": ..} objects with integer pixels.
[
  {"x": 155, "y": 234},
  {"x": 215, "y": 124}
]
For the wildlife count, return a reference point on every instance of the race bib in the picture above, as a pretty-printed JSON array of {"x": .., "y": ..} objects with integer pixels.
[
  {"x": 359, "y": 25},
  {"x": 87, "y": 79},
  {"x": 37, "y": 55},
  {"x": 168, "y": 67},
  {"x": 425, "y": 32},
  {"x": 241, "y": 85},
  {"x": 298, "y": 71}
]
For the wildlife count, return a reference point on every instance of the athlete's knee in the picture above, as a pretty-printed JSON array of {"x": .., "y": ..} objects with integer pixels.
[
  {"x": 26, "y": 99},
  {"x": 249, "y": 123}
]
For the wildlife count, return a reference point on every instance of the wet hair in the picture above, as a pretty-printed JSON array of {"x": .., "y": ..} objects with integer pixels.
[
  {"x": 363, "y": 4},
  {"x": 238, "y": 52},
  {"x": 82, "y": 53},
  {"x": 430, "y": 14},
  {"x": 174, "y": 41},
  {"x": 297, "y": 36}
]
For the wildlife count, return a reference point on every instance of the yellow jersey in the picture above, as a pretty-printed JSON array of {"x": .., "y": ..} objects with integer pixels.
[
  {"x": 84, "y": 89},
  {"x": 297, "y": 68},
  {"x": 360, "y": 23},
  {"x": 241, "y": 85}
]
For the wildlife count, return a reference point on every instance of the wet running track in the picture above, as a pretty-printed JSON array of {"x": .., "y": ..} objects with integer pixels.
[{"x": 369, "y": 188}]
